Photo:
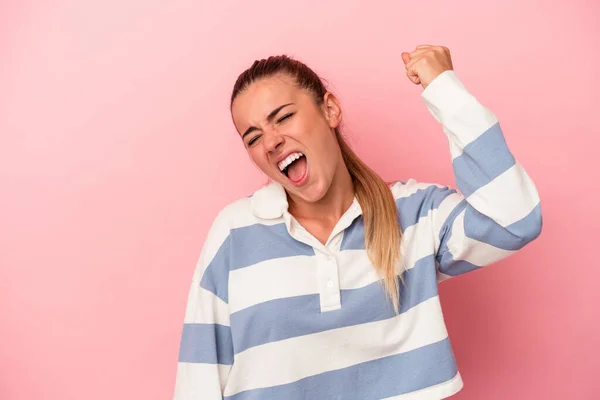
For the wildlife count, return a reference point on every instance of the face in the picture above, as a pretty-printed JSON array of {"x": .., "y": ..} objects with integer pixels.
[{"x": 281, "y": 123}]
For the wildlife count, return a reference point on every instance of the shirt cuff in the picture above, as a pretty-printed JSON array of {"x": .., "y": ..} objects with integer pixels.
[{"x": 445, "y": 96}]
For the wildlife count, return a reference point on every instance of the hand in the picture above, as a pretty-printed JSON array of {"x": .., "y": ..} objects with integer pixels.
[{"x": 425, "y": 63}]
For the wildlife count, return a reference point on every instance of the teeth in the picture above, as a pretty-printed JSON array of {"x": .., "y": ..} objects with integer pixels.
[{"x": 290, "y": 159}]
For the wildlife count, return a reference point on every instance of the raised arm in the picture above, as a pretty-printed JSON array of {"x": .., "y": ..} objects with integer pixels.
[{"x": 496, "y": 209}]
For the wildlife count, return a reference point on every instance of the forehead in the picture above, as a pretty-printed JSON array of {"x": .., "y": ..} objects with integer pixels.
[{"x": 253, "y": 104}]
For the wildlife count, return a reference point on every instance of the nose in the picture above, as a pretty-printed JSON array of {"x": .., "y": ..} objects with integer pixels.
[{"x": 273, "y": 141}]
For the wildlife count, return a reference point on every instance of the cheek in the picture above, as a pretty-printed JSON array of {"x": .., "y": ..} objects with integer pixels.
[
  {"x": 324, "y": 139},
  {"x": 328, "y": 150},
  {"x": 320, "y": 130}
]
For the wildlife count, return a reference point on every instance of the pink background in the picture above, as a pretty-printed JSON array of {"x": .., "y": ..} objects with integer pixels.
[{"x": 117, "y": 150}]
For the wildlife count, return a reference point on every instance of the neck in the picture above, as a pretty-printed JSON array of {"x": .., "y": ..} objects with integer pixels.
[{"x": 332, "y": 206}]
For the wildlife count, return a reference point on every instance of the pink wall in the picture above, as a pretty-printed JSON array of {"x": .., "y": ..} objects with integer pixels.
[{"x": 117, "y": 150}]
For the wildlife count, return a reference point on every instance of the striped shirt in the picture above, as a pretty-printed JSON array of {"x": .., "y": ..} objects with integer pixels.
[{"x": 273, "y": 313}]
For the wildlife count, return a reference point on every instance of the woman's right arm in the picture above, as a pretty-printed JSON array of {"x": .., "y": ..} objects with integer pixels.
[{"x": 206, "y": 348}]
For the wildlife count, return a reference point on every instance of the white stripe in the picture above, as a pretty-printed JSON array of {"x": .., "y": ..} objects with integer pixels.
[
  {"x": 327, "y": 351},
  {"x": 445, "y": 96},
  {"x": 205, "y": 308},
  {"x": 464, "y": 248},
  {"x": 400, "y": 190},
  {"x": 441, "y": 214},
  {"x": 356, "y": 270},
  {"x": 272, "y": 279},
  {"x": 200, "y": 381},
  {"x": 294, "y": 276},
  {"x": 462, "y": 116},
  {"x": 417, "y": 241},
  {"x": 508, "y": 198},
  {"x": 465, "y": 127}
]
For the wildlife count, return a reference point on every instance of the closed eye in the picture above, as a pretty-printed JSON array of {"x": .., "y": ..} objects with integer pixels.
[
  {"x": 280, "y": 120},
  {"x": 285, "y": 117},
  {"x": 254, "y": 139}
]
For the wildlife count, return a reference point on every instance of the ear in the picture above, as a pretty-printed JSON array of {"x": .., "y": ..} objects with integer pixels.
[{"x": 332, "y": 109}]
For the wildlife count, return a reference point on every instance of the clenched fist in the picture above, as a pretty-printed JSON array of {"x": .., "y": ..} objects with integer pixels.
[{"x": 425, "y": 63}]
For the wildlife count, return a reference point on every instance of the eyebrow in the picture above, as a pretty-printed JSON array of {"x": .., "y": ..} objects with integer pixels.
[{"x": 270, "y": 117}]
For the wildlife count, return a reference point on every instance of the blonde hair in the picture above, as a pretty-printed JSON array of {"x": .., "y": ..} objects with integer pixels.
[{"x": 380, "y": 216}]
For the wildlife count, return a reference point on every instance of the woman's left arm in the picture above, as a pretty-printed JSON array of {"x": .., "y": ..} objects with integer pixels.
[{"x": 496, "y": 209}]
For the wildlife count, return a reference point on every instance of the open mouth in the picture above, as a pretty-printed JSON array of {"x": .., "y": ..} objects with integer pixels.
[{"x": 294, "y": 167}]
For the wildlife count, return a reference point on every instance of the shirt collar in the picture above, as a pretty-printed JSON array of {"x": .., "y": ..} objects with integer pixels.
[{"x": 270, "y": 201}]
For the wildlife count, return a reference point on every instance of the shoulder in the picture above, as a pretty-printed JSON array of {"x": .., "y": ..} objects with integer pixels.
[
  {"x": 264, "y": 205},
  {"x": 234, "y": 214},
  {"x": 412, "y": 186},
  {"x": 416, "y": 201},
  {"x": 416, "y": 195},
  {"x": 217, "y": 246}
]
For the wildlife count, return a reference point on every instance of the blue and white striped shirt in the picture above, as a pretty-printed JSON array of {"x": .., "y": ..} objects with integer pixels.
[{"x": 273, "y": 313}]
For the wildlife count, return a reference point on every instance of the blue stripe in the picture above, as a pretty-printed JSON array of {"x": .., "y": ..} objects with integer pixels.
[
  {"x": 216, "y": 276},
  {"x": 410, "y": 209},
  {"x": 354, "y": 236},
  {"x": 420, "y": 203},
  {"x": 385, "y": 377},
  {"x": 482, "y": 228},
  {"x": 257, "y": 243},
  {"x": 245, "y": 247},
  {"x": 530, "y": 227},
  {"x": 452, "y": 267},
  {"x": 444, "y": 257},
  {"x": 485, "y": 229},
  {"x": 482, "y": 160},
  {"x": 206, "y": 343},
  {"x": 301, "y": 315}
]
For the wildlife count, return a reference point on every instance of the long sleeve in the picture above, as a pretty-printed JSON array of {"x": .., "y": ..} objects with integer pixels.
[
  {"x": 496, "y": 209},
  {"x": 206, "y": 349}
]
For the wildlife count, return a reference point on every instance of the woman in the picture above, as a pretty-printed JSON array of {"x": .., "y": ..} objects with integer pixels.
[{"x": 323, "y": 283}]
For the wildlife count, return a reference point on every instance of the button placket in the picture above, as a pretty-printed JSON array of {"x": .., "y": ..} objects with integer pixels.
[{"x": 328, "y": 283}]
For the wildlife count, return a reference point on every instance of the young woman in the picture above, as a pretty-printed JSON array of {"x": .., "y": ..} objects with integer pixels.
[{"x": 323, "y": 283}]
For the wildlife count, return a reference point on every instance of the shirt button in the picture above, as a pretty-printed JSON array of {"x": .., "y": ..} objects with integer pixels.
[
  {"x": 330, "y": 283},
  {"x": 329, "y": 257}
]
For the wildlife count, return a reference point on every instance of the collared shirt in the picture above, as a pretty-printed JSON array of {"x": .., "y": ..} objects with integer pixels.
[{"x": 273, "y": 313}]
